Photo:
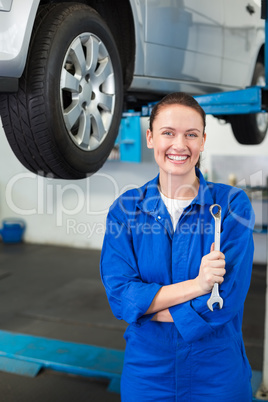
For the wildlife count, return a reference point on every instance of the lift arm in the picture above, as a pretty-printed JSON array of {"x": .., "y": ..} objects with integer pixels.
[
  {"x": 249, "y": 100},
  {"x": 244, "y": 101}
]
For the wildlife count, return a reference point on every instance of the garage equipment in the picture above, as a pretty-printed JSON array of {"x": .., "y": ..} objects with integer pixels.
[
  {"x": 28, "y": 355},
  {"x": 215, "y": 296},
  {"x": 12, "y": 230}
]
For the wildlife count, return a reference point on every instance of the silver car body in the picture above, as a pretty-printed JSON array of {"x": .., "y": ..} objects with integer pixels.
[
  {"x": 194, "y": 46},
  {"x": 16, "y": 22}
]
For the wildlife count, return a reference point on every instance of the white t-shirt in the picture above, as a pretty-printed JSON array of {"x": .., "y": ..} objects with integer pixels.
[{"x": 175, "y": 208}]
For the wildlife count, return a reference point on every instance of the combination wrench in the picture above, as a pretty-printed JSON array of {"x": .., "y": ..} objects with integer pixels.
[{"x": 215, "y": 296}]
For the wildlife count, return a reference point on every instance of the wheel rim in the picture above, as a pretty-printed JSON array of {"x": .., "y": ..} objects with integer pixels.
[
  {"x": 261, "y": 118},
  {"x": 87, "y": 89}
]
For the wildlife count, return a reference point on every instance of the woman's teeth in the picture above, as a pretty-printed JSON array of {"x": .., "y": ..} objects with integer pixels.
[{"x": 177, "y": 158}]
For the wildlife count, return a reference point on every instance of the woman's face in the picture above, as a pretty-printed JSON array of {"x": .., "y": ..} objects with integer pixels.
[{"x": 177, "y": 139}]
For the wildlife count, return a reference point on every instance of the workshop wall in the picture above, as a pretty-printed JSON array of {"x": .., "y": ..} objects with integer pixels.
[{"x": 73, "y": 213}]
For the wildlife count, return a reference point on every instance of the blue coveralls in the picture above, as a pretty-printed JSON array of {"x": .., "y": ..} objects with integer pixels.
[{"x": 201, "y": 356}]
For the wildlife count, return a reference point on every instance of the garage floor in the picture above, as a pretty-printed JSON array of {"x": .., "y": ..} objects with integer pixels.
[{"x": 55, "y": 292}]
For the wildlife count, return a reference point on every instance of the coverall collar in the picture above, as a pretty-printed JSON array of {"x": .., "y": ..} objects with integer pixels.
[{"x": 152, "y": 202}]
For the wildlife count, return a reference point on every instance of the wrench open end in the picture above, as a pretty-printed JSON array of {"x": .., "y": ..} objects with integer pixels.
[{"x": 215, "y": 300}]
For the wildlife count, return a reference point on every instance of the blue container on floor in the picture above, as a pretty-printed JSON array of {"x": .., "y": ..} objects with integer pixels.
[{"x": 12, "y": 230}]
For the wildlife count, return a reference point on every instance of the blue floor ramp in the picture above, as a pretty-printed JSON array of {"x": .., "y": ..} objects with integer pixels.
[{"x": 27, "y": 355}]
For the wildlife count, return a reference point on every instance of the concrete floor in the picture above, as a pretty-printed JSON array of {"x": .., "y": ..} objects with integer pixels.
[{"x": 55, "y": 292}]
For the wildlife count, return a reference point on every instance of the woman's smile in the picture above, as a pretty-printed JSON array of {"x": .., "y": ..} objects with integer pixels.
[{"x": 177, "y": 158}]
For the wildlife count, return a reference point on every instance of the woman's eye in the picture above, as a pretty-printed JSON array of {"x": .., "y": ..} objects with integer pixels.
[
  {"x": 168, "y": 133},
  {"x": 192, "y": 135}
]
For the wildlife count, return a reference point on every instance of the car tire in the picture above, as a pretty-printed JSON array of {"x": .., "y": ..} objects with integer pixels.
[
  {"x": 64, "y": 119},
  {"x": 250, "y": 129}
]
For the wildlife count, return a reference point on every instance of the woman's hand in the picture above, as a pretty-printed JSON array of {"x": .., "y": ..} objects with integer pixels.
[{"x": 212, "y": 270}]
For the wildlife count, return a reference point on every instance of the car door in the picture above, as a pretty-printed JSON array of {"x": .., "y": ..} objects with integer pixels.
[
  {"x": 184, "y": 39},
  {"x": 241, "y": 41}
]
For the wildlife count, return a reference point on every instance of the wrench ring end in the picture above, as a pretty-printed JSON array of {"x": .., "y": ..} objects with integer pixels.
[{"x": 216, "y": 215}]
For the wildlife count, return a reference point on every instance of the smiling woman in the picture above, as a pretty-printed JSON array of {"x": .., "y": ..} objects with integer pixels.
[
  {"x": 176, "y": 147},
  {"x": 159, "y": 280}
]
